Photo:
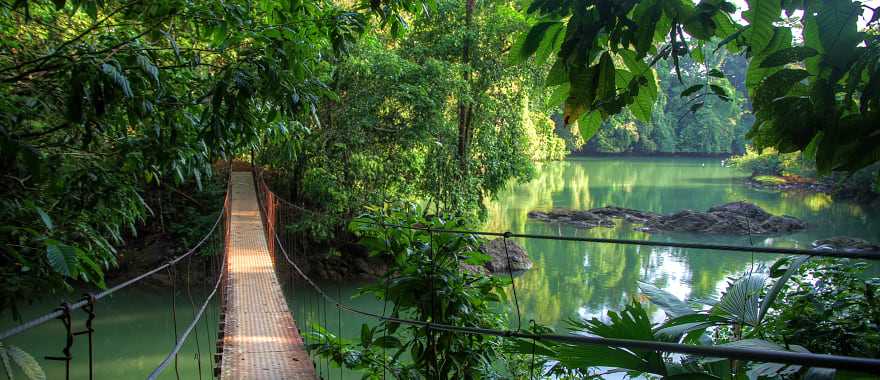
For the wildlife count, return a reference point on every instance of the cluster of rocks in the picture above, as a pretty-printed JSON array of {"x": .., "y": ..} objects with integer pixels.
[{"x": 736, "y": 218}]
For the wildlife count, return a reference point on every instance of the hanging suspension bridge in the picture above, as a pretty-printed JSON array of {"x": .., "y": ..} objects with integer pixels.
[{"x": 257, "y": 337}]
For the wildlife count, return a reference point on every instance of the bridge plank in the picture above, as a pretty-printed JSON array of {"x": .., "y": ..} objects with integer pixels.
[{"x": 261, "y": 340}]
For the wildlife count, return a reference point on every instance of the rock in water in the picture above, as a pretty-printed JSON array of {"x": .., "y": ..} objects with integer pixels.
[
  {"x": 580, "y": 219},
  {"x": 519, "y": 259},
  {"x": 736, "y": 218},
  {"x": 846, "y": 243}
]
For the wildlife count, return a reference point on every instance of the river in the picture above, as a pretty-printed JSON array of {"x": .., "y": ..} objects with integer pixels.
[{"x": 569, "y": 279}]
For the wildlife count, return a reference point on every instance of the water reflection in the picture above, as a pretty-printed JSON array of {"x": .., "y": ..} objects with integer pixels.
[{"x": 580, "y": 279}]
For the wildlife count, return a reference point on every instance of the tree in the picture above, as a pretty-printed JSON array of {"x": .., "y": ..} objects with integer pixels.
[{"x": 814, "y": 92}]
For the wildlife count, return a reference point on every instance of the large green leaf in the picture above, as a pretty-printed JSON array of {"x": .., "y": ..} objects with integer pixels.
[
  {"x": 692, "y": 90},
  {"x": 788, "y": 55},
  {"x": 741, "y": 300},
  {"x": 630, "y": 323},
  {"x": 762, "y": 15},
  {"x": 589, "y": 124},
  {"x": 4, "y": 360},
  {"x": 538, "y": 33},
  {"x": 560, "y": 93},
  {"x": 606, "y": 85},
  {"x": 755, "y": 73},
  {"x": 27, "y": 363},
  {"x": 550, "y": 43},
  {"x": 673, "y": 306},
  {"x": 838, "y": 30},
  {"x": 771, "y": 295},
  {"x": 777, "y": 85},
  {"x": 62, "y": 258},
  {"x": 589, "y": 356}
]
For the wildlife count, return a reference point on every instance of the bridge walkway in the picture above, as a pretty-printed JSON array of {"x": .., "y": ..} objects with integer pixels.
[{"x": 261, "y": 339}]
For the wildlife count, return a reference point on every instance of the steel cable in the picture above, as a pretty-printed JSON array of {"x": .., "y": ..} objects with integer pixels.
[{"x": 785, "y": 357}]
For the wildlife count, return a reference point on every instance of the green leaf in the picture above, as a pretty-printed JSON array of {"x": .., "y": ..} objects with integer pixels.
[
  {"x": 763, "y": 13},
  {"x": 557, "y": 75},
  {"x": 691, "y": 90},
  {"x": 774, "y": 291},
  {"x": 62, "y": 258},
  {"x": 148, "y": 67},
  {"x": 755, "y": 73},
  {"x": 118, "y": 78},
  {"x": 589, "y": 356},
  {"x": 788, "y": 55},
  {"x": 777, "y": 85},
  {"x": 716, "y": 73},
  {"x": 838, "y": 30},
  {"x": 666, "y": 301},
  {"x": 46, "y": 219},
  {"x": 387, "y": 341},
  {"x": 4, "y": 360},
  {"x": 550, "y": 43},
  {"x": 718, "y": 90},
  {"x": 366, "y": 335},
  {"x": 742, "y": 299},
  {"x": 536, "y": 35},
  {"x": 606, "y": 86},
  {"x": 27, "y": 363},
  {"x": 589, "y": 124},
  {"x": 558, "y": 96},
  {"x": 644, "y": 101}
]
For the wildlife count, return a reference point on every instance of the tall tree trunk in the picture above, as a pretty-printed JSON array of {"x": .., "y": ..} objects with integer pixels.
[{"x": 465, "y": 108}]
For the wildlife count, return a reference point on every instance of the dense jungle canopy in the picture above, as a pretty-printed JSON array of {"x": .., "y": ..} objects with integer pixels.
[{"x": 107, "y": 107}]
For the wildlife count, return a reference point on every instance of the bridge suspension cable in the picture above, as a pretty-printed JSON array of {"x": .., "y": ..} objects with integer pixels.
[
  {"x": 868, "y": 365},
  {"x": 88, "y": 302}
]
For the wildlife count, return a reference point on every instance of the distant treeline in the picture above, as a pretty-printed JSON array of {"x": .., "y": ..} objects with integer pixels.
[{"x": 716, "y": 128}]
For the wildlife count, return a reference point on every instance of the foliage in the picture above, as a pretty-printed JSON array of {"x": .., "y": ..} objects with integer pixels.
[
  {"x": 748, "y": 315},
  {"x": 424, "y": 282},
  {"x": 393, "y": 130},
  {"x": 108, "y": 105},
  {"x": 771, "y": 163},
  {"x": 830, "y": 307},
  {"x": 24, "y": 361},
  {"x": 814, "y": 92},
  {"x": 717, "y": 126}
]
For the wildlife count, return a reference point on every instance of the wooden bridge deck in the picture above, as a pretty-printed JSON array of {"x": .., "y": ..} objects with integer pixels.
[{"x": 261, "y": 340}]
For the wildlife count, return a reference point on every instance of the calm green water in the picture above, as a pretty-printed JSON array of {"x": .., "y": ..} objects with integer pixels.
[
  {"x": 569, "y": 279},
  {"x": 572, "y": 279}
]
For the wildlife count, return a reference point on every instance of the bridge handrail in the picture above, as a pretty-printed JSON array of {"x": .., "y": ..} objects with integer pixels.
[
  {"x": 784, "y": 357},
  {"x": 78, "y": 305}
]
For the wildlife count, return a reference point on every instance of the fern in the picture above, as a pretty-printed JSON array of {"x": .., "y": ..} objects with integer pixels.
[{"x": 24, "y": 361}]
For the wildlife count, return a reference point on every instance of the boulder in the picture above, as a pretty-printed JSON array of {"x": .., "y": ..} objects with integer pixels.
[
  {"x": 845, "y": 243},
  {"x": 580, "y": 219},
  {"x": 627, "y": 214},
  {"x": 519, "y": 259},
  {"x": 735, "y": 218},
  {"x": 742, "y": 208}
]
